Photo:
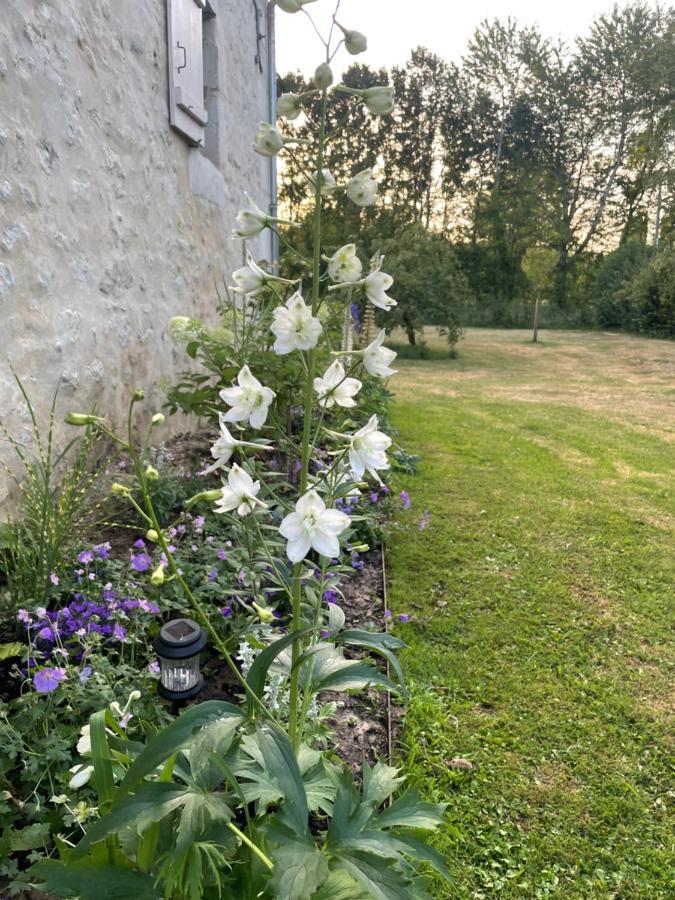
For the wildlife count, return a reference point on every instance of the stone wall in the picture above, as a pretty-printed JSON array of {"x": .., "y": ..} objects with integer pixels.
[{"x": 110, "y": 223}]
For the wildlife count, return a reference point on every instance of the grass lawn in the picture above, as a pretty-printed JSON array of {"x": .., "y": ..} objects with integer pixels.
[{"x": 542, "y": 593}]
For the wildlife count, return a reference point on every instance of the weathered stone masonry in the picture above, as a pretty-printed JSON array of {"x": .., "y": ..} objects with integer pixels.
[{"x": 110, "y": 222}]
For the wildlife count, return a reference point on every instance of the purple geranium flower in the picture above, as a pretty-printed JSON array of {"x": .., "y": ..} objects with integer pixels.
[
  {"x": 85, "y": 674},
  {"x": 330, "y": 596},
  {"x": 86, "y": 557},
  {"x": 47, "y": 680},
  {"x": 140, "y": 562},
  {"x": 119, "y": 632},
  {"x": 139, "y": 544},
  {"x": 102, "y": 550},
  {"x": 153, "y": 667},
  {"x": 405, "y": 496},
  {"x": 213, "y": 574},
  {"x": 226, "y": 612},
  {"x": 404, "y": 617},
  {"x": 54, "y": 578}
]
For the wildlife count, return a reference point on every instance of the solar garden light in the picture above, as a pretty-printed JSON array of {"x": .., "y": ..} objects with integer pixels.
[{"x": 178, "y": 646}]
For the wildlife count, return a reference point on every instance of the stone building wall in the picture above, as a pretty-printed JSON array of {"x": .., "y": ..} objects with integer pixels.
[{"x": 110, "y": 222}]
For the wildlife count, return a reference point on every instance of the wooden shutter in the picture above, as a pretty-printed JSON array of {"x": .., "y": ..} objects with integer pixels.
[{"x": 186, "y": 68}]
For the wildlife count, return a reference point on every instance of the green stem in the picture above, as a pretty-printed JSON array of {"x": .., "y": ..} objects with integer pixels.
[
  {"x": 293, "y": 721},
  {"x": 249, "y": 843}
]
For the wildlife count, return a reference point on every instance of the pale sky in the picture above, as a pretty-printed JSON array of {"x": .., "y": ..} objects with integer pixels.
[{"x": 394, "y": 27}]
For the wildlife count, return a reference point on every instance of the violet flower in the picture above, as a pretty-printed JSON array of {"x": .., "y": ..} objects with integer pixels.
[
  {"x": 405, "y": 497},
  {"x": 140, "y": 562},
  {"x": 47, "y": 680}
]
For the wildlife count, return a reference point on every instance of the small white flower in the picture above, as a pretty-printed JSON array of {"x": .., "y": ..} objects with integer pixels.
[
  {"x": 367, "y": 449},
  {"x": 379, "y": 99},
  {"x": 344, "y": 266},
  {"x": 289, "y": 105},
  {"x": 328, "y": 182},
  {"x": 292, "y": 6},
  {"x": 294, "y": 326},
  {"x": 334, "y": 388},
  {"x": 84, "y": 743},
  {"x": 239, "y": 493},
  {"x": 268, "y": 140},
  {"x": 251, "y": 221},
  {"x": 362, "y": 188},
  {"x": 250, "y": 401},
  {"x": 251, "y": 279},
  {"x": 376, "y": 358},
  {"x": 312, "y": 526},
  {"x": 375, "y": 286},
  {"x": 81, "y": 775}
]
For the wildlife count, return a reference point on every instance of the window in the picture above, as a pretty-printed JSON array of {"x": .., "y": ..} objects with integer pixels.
[{"x": 187, "y": 112}]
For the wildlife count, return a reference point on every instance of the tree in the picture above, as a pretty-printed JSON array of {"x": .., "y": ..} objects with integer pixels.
[{"x": 539, "y": 265}]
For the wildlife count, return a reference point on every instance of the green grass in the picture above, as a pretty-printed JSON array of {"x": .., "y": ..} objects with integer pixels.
[{"x": 542, "y": 595}]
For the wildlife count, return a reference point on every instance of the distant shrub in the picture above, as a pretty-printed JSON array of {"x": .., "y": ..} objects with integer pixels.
[
  {"x": 649, "y": 298},
  {"x": 617, "y": 270}
]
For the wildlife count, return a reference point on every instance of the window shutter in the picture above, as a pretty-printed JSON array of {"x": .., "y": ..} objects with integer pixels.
[{"x": 186, "y": 68}]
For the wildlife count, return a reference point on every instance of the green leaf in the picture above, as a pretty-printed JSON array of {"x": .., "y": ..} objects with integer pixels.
[
  {"x": 379, "y": 879},
  {"x": 100, "y": 756},
  {"x": 258, "y": 672},
  {"x": 380, "y": 782},
  {"x": 384, "y": 644},
  {"x": 150, "y": 803},
  {"x": 174, "y": 737},
  {"x": 408, "y": 811},
  {"x": 330, "y": 671},
  {"x": 32, "y": 837},
  {"x": 7, "y": 651},
  {"x": 88, "y": 881},
  {"x": 198, "y": 812},
  {"x": 299, "y": 870},
  {"x": 212, "y": 742},
  {"x": 341, "y": 886}
]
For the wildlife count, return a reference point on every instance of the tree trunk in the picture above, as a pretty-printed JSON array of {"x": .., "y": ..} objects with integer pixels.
[
  {"x": 409, "y": 330},
  {"x": 535, "y": 324}
]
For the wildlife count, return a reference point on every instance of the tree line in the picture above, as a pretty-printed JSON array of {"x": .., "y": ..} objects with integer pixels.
[{"x": 527, "y": 145}]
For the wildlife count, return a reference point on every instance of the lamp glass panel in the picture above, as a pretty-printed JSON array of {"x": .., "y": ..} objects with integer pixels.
[{"x": 180, "y": 674}]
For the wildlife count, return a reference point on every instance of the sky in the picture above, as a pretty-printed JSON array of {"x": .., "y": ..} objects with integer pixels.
[{"x": 394, "y": 27}]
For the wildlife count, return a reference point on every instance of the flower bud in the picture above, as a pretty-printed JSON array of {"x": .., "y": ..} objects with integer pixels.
[
  {"x": 289, "y": 106},
  {"x": 323, "y": 77},
  {"x": 151, "y": 473},
  {"x": 152, "y": 535},
  {"x": 268, "y": 140},
  {"x": 81, "y": 419},
  {"x": 206, "y": 496},
  {"x": 292, "y": 6},
  {"x": 379, "y": 99},
  {"x": 138, "y": 394},
  {"x": 157, "y": 576},
  {"x": 328, "y": 183},
  {"x": 158, "y": 419},
  {"x": 119, "y": 490},
  {"x": 355, "y": 42},
  {"x": 360, "y": 548},
  {"x": 135, "y": 695},
  {"x": 264, "y": 615}
]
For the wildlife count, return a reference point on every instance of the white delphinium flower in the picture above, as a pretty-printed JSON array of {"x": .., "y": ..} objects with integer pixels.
[
  {"x": 344, "y": 266},
  {"x": 294, "y": 326},
  {"x": 376, "y": 358},
  {"x": 289, "y": 105},
  {"x": 251, "y": 279},
  {"x": 239, "y": 493},
  {"x": 367, "y": 449},
  {"x": 251, "y": 221},
  {"x": 225, "y": 446},
  {"x": 362, "y": 188},
  {"x": 250, "y": 401},
  {"x": 84, "y": 742},
  {"x": 333, "y": 387},
  {"x": 268, "y": 140},
  {"x": 312, "y": 526},
  {"x": 378, "y": 99},
  {"x": 292, "y": 6},
  {"x": 375, "y": 286},
  {"x": 81, "y": 775},
  {"x": 328, "y": 182}
]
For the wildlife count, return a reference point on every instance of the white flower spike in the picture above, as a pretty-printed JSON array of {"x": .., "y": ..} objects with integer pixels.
[
  {"x": 250, "y": 401},
  {"x": 362, "y": 188},
  {"x": 268, "y": 140},
  {"x": 334, "y": 388},
  {"x": 376, "y": 358},
  {"x": 239, "y": 493},
  {"x": 344, "y": 266},
  {"x": 367, "y": 451},
  {"x": 294, "y": 326},
  {"x": 312, "y": 526}
]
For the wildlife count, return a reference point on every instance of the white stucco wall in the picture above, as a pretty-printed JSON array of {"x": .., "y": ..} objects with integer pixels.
[{"x": 109, "y": 222}]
